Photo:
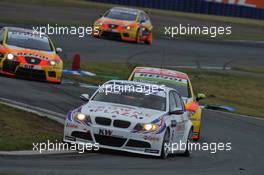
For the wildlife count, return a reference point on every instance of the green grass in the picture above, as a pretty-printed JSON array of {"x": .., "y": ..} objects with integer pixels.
[
  {"x": 244, "y": 92},
  {"x": 19, "y": 129},
  {"x": 255, "y": 69}
]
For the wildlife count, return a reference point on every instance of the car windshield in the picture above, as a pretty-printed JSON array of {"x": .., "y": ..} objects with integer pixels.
[
  {"x": 28, "y": 40},
  {"x": 153, "y": 101},
  {"x": 182, "y": 89},
  {"x": 121, "y": 15},
  {"x": 181, "y": 85}
]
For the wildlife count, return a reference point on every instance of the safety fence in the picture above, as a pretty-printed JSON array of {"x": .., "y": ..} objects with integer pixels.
[{"x": 194, "y": 6}]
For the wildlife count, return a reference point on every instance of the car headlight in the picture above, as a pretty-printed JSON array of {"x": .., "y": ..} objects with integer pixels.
[
  {"x": 82, "y": 117},
  {"x": 54, "y": 62},
  {"x": 128, "y": 27},
  {"x": 10, "y": 56},
  {"x": 146, "y": 127}
]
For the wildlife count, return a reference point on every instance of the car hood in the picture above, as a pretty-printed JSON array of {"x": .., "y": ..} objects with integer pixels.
[
  {"x": 20, "y": 51},
  {"x": 122, "y": 112},
  {"x": 115, "y": 21}
]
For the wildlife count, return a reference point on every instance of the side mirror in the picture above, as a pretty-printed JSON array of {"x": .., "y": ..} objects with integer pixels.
[
  {"x": 58, "y": 50},
  {"x": 176, "y": 112},
  {"x": 192, "y": 107},
  {"x": 84, "y": 97},
  {"x": 200, "y": 96}
]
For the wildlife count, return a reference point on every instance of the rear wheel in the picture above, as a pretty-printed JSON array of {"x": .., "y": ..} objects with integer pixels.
[{"x": 165, "y": 145}]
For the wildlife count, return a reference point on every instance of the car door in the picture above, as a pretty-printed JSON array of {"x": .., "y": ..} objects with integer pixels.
[
  {"x": 177, "y": 122},
  {"x": 184, "y": 118}
]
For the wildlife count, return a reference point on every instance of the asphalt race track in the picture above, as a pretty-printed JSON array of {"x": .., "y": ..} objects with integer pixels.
[
  {"x": 172, "y": 52},
  {"x": 245, "y": 134}
]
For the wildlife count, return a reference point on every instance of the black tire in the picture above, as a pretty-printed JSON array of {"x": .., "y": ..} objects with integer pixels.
[
  {"x": 166, "y": 139},
  {"x": 138, "y": 37},
  {"x": 189, "y": 139}
]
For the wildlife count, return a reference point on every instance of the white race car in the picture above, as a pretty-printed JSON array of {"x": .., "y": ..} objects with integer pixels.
[{"x": 150, "y": 121}]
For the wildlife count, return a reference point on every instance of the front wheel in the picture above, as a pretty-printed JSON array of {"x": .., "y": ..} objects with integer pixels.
[
  {"x": 187, "y": 152},
  {"x": 165, "y": 145}
]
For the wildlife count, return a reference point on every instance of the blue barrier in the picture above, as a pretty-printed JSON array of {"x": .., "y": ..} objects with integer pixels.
[{"x": 193, "y": 6}]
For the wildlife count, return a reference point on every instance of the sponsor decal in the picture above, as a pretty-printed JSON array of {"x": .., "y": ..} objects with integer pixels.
[
  {"x": 115, "y": 110},
  {"x": 105, "y": 132},
  {"x": 71, "y": 125}
]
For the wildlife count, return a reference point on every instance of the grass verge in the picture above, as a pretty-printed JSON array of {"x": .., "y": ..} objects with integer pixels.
[
  {"x": 256, "y": 69},
  {"x": 244, "y": 92},
  {"x": 20, "y": 129}
]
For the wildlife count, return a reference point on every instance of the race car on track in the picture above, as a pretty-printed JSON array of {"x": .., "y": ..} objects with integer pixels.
[
  {"x": 124, "y": 24},
  {"x": 24, "y": 53},
  {"x": 144, "y": 121},
  {"x": 179, "y": 81}
]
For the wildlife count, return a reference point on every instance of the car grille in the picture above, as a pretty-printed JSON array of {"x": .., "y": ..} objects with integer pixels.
[
  {"x": 109, "y": 140},
  {"x": 138, "y": 144},
  {"x": 103, "y": 121},
  {"x": 32, "y": 60},
  {"x": 10, "y": 66},
  {"x": 111, "y": 35},
  {"x": 82, "y": 135},
  {"x": 31, "y": 74},
  {"x": 121, "y": 124},
  {"x": 52, "y": 74}
]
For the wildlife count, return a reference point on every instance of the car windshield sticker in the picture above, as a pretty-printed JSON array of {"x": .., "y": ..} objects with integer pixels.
[
  {"x": 144, "y": 77},
  {"x": 124, "y": 11},
  {"x": 119, "y": 88},
  {"x": 26, "y": 36}
]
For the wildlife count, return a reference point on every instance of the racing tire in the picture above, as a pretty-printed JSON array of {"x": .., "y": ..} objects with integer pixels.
[
  {"x": 166, "y": 140},
  {"x": 138, "y": 36},
  {"x": 187, "y": 152}
]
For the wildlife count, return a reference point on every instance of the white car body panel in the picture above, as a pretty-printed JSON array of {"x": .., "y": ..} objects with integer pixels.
[{"x": 151, "y": 141}]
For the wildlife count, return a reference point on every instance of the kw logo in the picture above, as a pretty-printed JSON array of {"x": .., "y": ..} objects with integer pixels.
[{"x": 105, "y": 132}]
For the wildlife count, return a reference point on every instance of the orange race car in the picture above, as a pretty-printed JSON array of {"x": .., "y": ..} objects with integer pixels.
[
  {"x": 24, "y": 53},
  {"x": 124, "y": 24}
]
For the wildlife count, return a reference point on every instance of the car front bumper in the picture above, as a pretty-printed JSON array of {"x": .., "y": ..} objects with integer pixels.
[
  {"x": 36, "y": 72},
  {"x": 119, "y": 139}
]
